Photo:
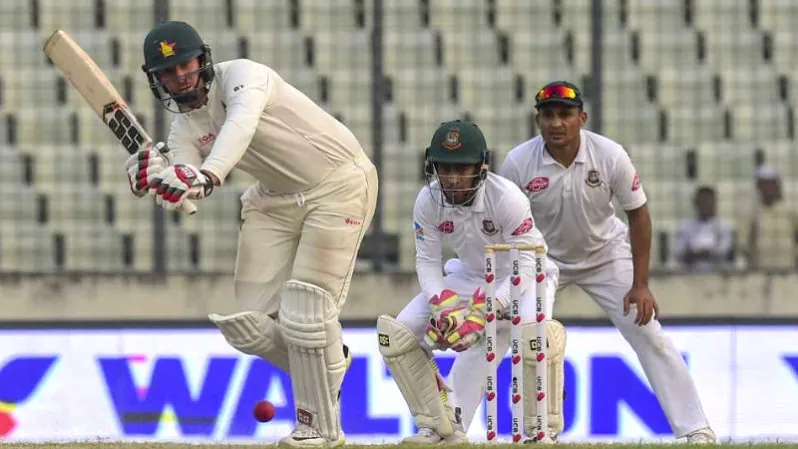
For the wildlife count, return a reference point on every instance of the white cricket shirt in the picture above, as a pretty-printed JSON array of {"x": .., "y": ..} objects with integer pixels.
[
  {"x": 573, "y": 206},
  {"x": 499, "y": 214},
  {"x": 257, "y": 122}
]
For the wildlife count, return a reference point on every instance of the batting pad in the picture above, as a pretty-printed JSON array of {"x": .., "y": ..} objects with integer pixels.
[
  {"x": 556, "y": 336},
  {"x": 309, "y": 319},
  {"x": 254, "y": 333},
  {"x": 415, "y": 375}
]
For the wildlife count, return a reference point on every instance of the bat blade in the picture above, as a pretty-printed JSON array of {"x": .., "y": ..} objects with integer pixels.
[{"x": 100, "y": 94}]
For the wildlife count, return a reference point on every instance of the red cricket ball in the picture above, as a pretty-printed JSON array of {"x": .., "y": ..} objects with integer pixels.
[{"x": 264, "y": 411}]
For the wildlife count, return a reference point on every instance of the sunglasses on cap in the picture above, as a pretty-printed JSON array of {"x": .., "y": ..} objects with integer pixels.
[{"x": 559, "y": 91}]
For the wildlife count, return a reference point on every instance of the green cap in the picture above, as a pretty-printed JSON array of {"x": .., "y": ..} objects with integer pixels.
[
  {"x": 457, "y": 142},
  {"x": 559, "y": 92},
  {"x": 169, "y": 44}
]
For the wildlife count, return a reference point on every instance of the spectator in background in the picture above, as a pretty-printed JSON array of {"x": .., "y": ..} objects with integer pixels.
[
  {"x": 772, "y": 225},
  {"x": 704, "y": 242}
]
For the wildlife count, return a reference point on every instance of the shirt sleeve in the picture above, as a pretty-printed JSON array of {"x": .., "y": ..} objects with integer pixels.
[
  {"x": 245, "y": 92},
  {"x": 625, "y": 183},
  {"x": 429, "y": 249},
  {"x": 518, "y": 226},
  {"x": 509, "y": 170},
  {"x": 181, "y": 145}
]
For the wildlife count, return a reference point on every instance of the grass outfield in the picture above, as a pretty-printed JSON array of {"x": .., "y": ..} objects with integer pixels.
[{"x": 100, "y": 445}]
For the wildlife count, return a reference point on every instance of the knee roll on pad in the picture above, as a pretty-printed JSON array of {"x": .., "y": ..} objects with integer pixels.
[
  {"x": 312, "y": 332},
  {"x": 556, "y": 337},
  {"x": 416, "y": 375},
  {"x": 254, "y": 333}
]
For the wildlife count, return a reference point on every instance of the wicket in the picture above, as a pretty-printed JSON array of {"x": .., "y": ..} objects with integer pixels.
[{"x": 541, "y": 381}]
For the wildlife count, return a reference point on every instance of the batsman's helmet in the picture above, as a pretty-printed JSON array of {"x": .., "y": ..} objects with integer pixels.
[{"x": 169, "y": 44}]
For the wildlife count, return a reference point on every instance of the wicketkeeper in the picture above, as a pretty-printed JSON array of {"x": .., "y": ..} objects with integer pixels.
[{"x": 464, "y": 207}]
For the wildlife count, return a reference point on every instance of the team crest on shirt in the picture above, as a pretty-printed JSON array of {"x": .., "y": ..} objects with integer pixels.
[
  {"x": 452, "y": 141},
  {"x": 593, "y": 179},
  {"x": 488, "y": 227},
  {"x": 636, "y": 183}
]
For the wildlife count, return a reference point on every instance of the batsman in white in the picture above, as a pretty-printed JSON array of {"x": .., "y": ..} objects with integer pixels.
[
  {"x": 463, "y": 207},
  {"x": 571, "y": 175},
  {"x": 303, "y": 218}
]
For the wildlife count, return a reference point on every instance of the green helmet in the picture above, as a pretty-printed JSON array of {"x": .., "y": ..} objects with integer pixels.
[
  {"x": 169, "y": 44},
  {"x": 456, "y": 143}
]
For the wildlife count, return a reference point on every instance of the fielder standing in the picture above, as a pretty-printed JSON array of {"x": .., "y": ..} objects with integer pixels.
[
  {"x": 571, "y": 175},
  {"x": 303, "y": 219},
  {"x": 463, "y": 207}
]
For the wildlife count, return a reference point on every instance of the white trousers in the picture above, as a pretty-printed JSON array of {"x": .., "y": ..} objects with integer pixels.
[
  {"x": 471, "y": 367},
  {"x": 661, "y": 361}
]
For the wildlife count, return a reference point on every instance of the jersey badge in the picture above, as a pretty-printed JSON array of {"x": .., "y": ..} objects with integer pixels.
[
  {"x": 419, "y": 231},
  {"x": 636, "y": 183},
  {"x": 488, "y": 227},
  {"x": 538, "y": 184},
  {"x": 452, "y": 141},
  {"x": 593, "y": 179},
  {"x": 447, "y": 227},
  {"x": 167, "y": 49}
]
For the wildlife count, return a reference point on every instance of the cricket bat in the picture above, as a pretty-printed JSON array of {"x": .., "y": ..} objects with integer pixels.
[{"x": 92, "y": 84}]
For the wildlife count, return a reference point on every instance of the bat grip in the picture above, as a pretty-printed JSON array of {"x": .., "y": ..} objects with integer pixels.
[{"x": 188, "y": 207}]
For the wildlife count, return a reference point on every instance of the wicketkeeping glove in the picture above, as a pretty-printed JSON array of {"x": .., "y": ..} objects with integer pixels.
[
  {"x": 438, "y": 304},
  {"x": 178, "y": 183},
  {"x": 472, "y": 328},
  {"x": 144, "y": 165}
]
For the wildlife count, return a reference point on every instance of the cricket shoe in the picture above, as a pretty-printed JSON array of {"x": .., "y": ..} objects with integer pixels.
[
  {"x": 702, "y": 436},
  {"x": 429, "y": 436},
  {"x": 305, "y": 436}
]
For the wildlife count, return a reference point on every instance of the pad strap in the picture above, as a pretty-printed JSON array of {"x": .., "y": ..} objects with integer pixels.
[{"x": 254, "y": 333}]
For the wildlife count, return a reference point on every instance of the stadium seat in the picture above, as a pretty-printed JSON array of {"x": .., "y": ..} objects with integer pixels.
[
  {"x": 526, "y": 48},
  {"x": 523, "y": 17},
  {"x": 343, "y": 50},
  {"x": 477, "y": 49},
  {"x": 729, "y": 15},
  {"x": 92, "y": 247},
  {"x": 332, "y": 15},
  {"x": 480, "y": 88},
  {"x": 206, "y": 16},
  {"x": 401, "y": 14},
  {"x": 691, "y": 124},
  {"x": 16, "y": 17},
  {"x": 133, "y": 17},
  {"x": 405, "y": 50},
  {"x": 759, "y": 122},
  {"x": 27, "y": 248},
  {"x": 459, "y": 18},
  {"x": 719, "y": 160},
  {"x": 280, "y": 50},
  {"x": 253, "y": 16},
  {"x": 668, "y": 48},
  {"x": 43, "y": 126},
  {"x": 778, "y": 15},
  {"x": 68, "y": 16},
  {"x": 686, "y": 86},
  {"x": 735, "y": 48},
  {"x": 755, "y": 84},
  {"x": 655, "y": 17}
]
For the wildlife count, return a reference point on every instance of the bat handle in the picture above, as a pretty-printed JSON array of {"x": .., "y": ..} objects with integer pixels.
[{"x": 188, "y": 207}]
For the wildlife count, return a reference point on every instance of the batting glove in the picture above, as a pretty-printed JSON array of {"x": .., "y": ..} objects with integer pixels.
[
  {"x": 144, "y": 165},
  {"x": 178, "y": 183}
]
